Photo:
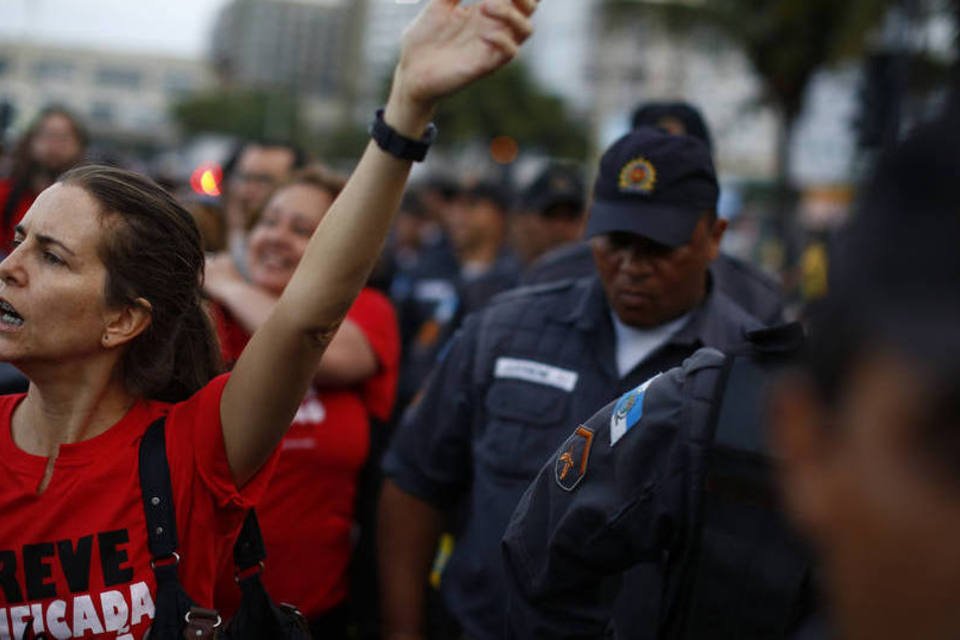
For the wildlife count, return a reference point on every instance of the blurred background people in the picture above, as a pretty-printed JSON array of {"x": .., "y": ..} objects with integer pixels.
[
  {"x": 54, "y": 142},
  {"x": 868, "y": 433},
  {"x": 251, "y": 175},
  {"x": 308, "y": 515},
  {"x": 456, "y": 273},
  {"x": 539, "y": 359},
  {"x": 477, "y": 222},
  {"x": 549, "y": 215}
]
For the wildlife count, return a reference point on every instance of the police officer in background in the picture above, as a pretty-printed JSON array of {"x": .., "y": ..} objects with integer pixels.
[
  {"x": 748, "y": 285},
  {"x": 539, "y": 359},
  {"x": 550, "y": 214}
]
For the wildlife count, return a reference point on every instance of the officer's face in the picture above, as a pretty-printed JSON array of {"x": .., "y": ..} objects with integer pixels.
[
  {"x": 882, "y": 510},
  {"x": 647, "y": 283}
]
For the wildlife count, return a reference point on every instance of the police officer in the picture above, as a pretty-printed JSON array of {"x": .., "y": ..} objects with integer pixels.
[
  {"x": 539, "y": 359},
  {"x": 865, "y": 431},
  {"x": 749, "y": 286},
  {"x": 673, "y": 472}
]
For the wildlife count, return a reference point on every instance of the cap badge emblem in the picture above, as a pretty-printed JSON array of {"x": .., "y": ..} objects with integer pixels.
[{"x": 638, "y": 176}]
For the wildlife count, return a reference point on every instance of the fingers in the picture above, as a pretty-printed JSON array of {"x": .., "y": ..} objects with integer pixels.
[
  {"x": 514, "y": 15},
  {"x": 526, "y": 6},
  {"x": 503, "y": 42}
]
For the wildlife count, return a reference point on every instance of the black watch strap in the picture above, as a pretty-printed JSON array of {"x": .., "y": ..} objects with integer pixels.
[{"x": 399, "y": 145}]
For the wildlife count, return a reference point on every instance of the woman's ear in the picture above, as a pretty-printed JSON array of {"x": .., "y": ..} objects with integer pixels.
[{"x": 127, "y": 322}]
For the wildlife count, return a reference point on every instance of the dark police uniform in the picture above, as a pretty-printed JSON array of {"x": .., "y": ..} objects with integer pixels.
[
  {"x": 675, "y": 469},
  {"x": 517, "y": 375},
  {"x": 748, "y": 285}
]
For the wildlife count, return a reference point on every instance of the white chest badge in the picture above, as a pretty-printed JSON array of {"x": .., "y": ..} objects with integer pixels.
[
  {"x": 628, "y": 411},
  {"x": 536, "y": 372}
]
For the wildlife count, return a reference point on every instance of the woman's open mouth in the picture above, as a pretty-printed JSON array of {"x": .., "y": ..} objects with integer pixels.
[{"x": 9, "y": 316}]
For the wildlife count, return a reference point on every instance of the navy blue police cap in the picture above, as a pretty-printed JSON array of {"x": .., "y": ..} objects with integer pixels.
[
  {"x": 653, "y": 184},
  {"x": 557, "y": 185}
]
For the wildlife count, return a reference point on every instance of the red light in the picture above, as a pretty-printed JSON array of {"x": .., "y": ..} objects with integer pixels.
[
  {"x": 504, "y": 149},
  {"x": 206, "y": 179}
]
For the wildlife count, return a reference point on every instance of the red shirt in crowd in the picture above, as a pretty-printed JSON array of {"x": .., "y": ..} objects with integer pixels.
[
  {"x": 19, "y": 210},
  {"x": 307, "y": 514},
  {"x": 74, "y": 558}
]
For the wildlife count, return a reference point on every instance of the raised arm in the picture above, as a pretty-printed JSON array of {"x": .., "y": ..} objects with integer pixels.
[
  {"x": 349, "y": 359},
  {"x": 447, "y": 47}
]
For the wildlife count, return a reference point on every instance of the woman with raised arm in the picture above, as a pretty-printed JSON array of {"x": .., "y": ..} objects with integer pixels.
[{"x": 101, "y": 308}]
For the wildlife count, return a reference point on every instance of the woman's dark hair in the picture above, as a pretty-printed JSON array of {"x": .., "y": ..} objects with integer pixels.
[
  {"x": 319, "y": 176},
  {"x": 151, "y": 250}
]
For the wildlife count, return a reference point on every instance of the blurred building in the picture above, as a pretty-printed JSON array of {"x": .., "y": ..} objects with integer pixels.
[
  {"x": 385, "y": 22},
  {"x": 310, "y": 48},
  {"x": 565, "y": 37},
  {"x": 119, "y": 95},
  {"x": 634, "y": 60}
]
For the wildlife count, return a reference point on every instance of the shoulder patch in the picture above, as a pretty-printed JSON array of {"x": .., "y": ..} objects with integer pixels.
[
  {"x": 628, "y": 411},
  {"x": 571, "y": 464}
]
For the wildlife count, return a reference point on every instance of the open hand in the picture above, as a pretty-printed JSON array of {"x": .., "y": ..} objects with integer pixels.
[{"x": 449, "y": 46}]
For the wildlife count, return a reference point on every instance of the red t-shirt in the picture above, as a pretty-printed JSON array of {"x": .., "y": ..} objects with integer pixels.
[
  {"x": 75, "y": 557},
  {"x": 307, "y": 514},
  {"x": 19, "y": 210}
]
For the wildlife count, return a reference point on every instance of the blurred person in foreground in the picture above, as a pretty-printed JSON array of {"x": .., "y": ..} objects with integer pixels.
[
  {"x": 756, "y": 291},
  {"x": 869, "y": 431},
  {"x": 353, "y": 390},
  {"x": 54, "y": 142},
  {"x": 538, "y": 359}
]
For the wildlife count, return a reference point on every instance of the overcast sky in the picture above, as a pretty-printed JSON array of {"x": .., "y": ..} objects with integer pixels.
[{"x": 178, "y": 27}]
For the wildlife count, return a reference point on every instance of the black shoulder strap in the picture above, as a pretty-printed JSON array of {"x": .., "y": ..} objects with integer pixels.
[
  {"x": 157, "y": 493},
  {"x": 249, "y": 549},
  {"x": 172, "y": 602}
]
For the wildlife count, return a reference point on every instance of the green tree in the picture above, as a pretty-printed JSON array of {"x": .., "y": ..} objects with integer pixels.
[
  {"x": 785, "y": 41},
  {"x": 247, "y": 113},
  {"x": 510, "y": 103}
]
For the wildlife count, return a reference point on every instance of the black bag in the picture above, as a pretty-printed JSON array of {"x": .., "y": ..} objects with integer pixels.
[{"x": 177, "y": 616}]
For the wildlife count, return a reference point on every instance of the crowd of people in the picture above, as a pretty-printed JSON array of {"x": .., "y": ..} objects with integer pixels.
[{"x": 464, "y": 409}]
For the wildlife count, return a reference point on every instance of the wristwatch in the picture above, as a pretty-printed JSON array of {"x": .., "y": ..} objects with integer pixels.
[{"x": 398, "y": 145}]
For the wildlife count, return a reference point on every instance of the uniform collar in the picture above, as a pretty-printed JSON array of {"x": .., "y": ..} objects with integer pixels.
[
  {"x": 709, "y": 322},
  {"x": 590, "y": 309}
]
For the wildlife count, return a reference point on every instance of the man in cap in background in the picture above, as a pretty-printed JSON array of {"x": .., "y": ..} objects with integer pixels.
[
  {"x": 539, "y": 359},
  {"x": 753, "y": 289},
  {"x": 550, "y": 214}
]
